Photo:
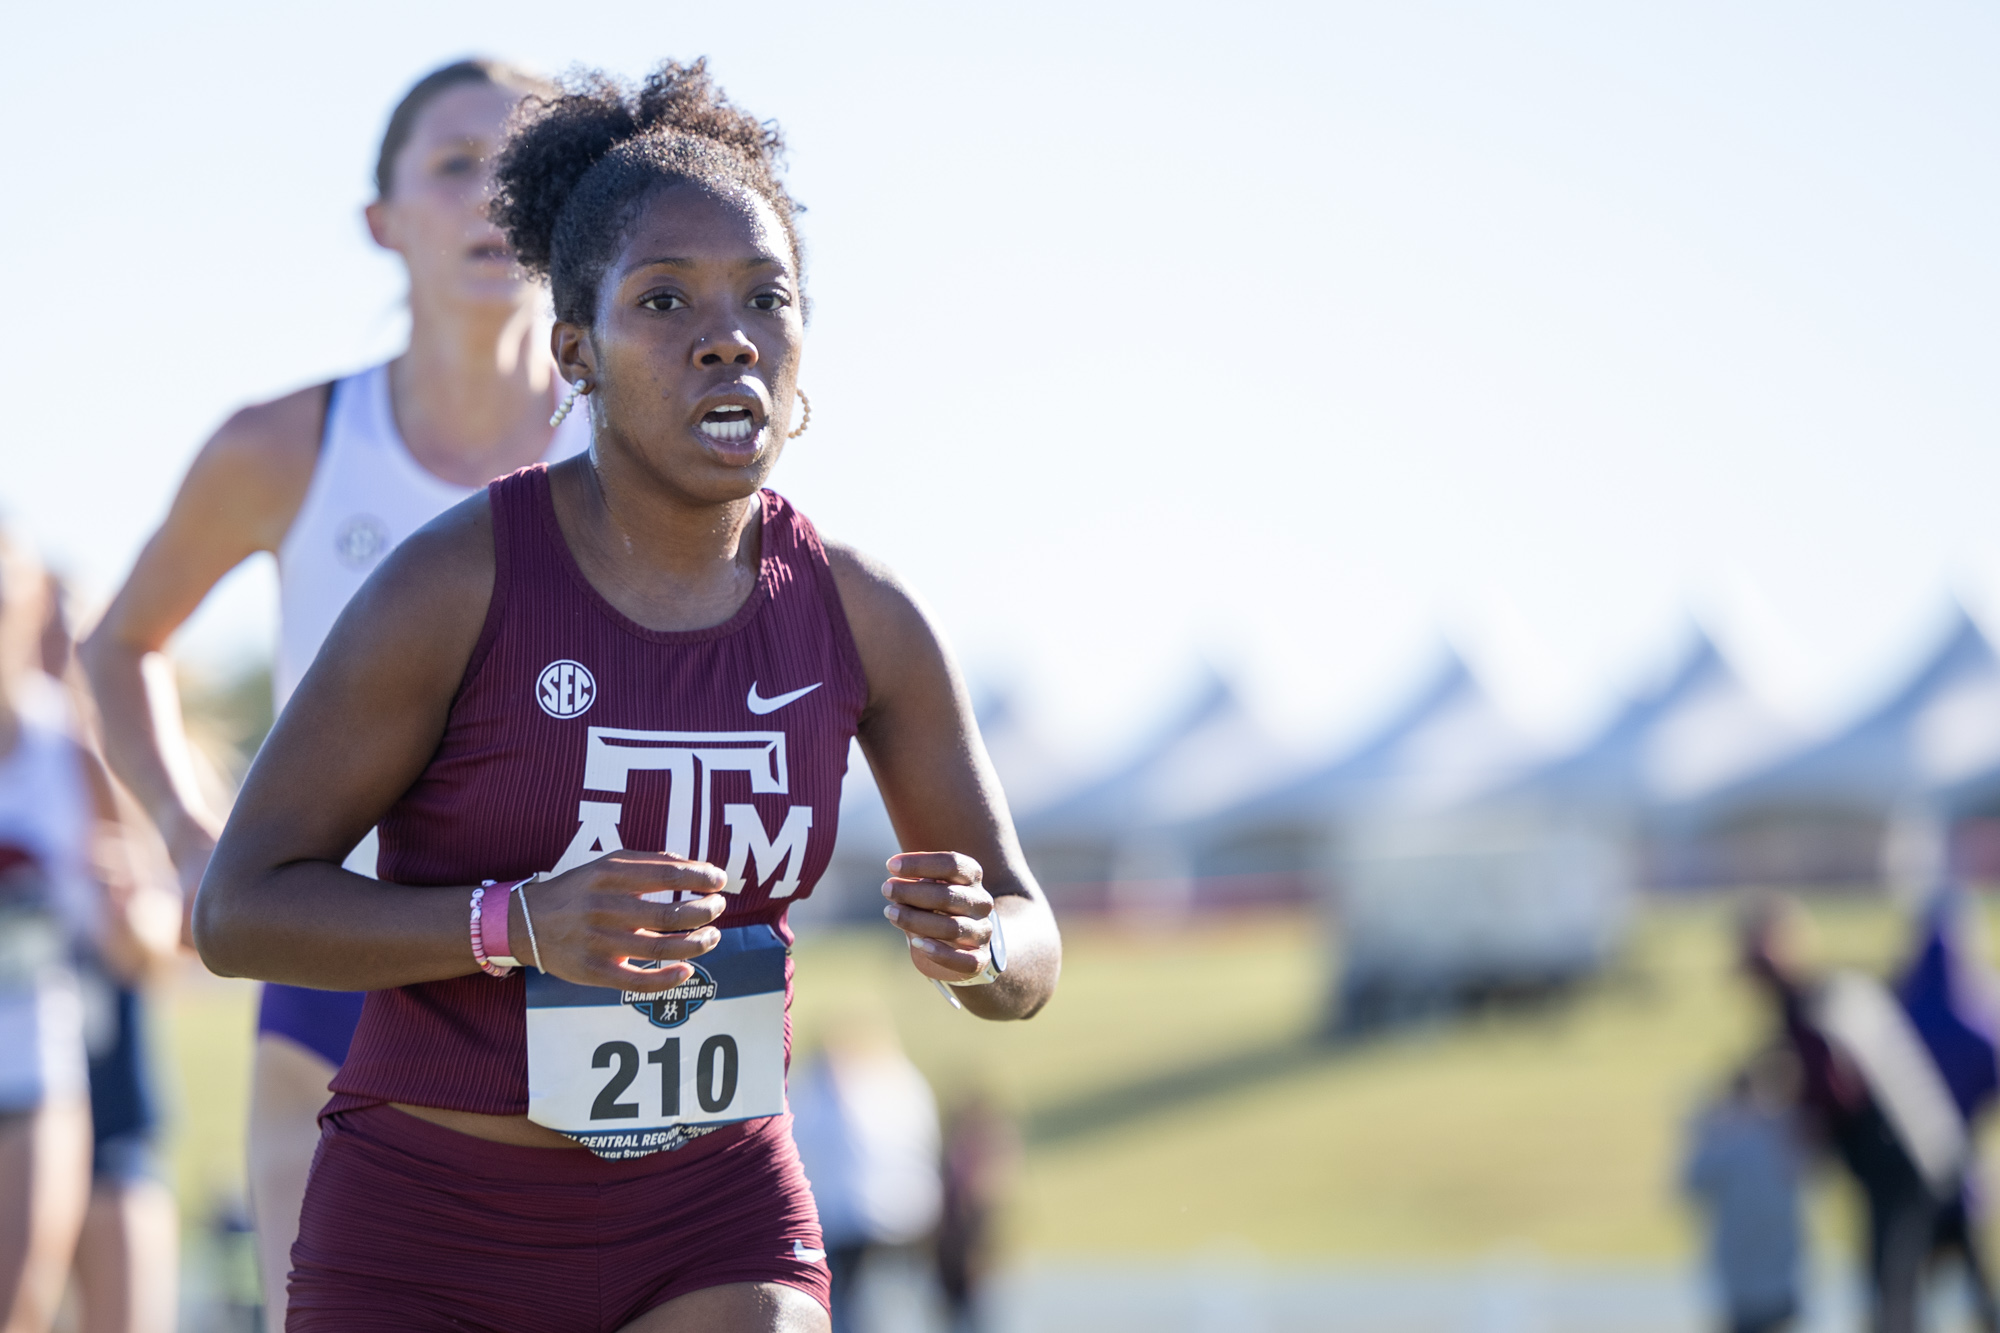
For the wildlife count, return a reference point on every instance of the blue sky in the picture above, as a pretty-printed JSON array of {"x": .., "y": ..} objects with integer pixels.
[{"x": 1293, "y": 337}]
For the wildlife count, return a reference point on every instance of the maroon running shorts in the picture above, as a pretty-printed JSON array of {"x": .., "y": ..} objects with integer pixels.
[{"x": 410, "y": 1226}]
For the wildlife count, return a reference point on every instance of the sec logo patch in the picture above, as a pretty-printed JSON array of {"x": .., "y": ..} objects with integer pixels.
[{"x": 565, "y": 688}]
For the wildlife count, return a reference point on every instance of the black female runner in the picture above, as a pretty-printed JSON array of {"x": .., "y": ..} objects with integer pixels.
[{"x": 634, "y": 673}]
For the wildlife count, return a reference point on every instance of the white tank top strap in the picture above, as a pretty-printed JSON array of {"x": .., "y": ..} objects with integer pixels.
[{"x": 367, "y": 494}]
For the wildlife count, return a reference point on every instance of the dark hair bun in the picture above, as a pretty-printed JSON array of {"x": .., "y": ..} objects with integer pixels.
[
  {"x": 577, "y": 165},
  {"x": 684, "y": 98},
  {"x": 554, "y": 142}
]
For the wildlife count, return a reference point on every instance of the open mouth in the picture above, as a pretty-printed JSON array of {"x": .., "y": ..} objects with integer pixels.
[{"x": 729, "y": 425}]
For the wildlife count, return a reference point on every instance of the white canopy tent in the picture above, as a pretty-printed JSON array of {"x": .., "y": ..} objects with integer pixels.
[
  {"x": 1446, "y": 746},
  {"x": 1867, "y": 803},
  {"x": 1119, "y": 841},
  {"x": 1439, "y": 888},
  {"x": 1701, "y": 730}
]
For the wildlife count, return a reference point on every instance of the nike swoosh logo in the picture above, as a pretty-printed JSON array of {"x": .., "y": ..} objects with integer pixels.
[
  {"x": 801, "y": 1250},
  {"x": 761, "y": 706}
]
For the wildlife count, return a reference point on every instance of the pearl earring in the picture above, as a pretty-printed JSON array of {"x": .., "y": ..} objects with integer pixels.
[
  {"x": 575, "y": 390},
  {"x": 805, "y": 419}
]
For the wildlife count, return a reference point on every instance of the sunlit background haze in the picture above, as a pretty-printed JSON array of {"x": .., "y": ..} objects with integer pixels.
[{"x": 1296, "y": 339}]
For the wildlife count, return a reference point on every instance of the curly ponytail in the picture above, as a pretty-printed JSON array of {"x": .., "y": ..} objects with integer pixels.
[{"x": 577, "y": 166}]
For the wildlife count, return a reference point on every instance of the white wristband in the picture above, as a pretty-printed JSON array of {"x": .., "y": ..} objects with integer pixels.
[
  {"x": 996, "y": 957},
  {"x": 996, "y": 963}
]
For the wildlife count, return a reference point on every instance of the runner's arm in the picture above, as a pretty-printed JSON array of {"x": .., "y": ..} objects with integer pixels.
[
  {"x": 238, "y": 498},
  {"x": 139, "y": 933},
  {"x": 362, "y": 728},
  {"x": 942, "y": 795}
]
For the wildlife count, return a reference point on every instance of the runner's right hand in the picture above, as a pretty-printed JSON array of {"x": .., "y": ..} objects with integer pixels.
[{"x": 593, "y": 923}]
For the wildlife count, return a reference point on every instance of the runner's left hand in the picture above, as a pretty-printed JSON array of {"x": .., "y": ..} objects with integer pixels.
[{"x": 938, "y": 901}]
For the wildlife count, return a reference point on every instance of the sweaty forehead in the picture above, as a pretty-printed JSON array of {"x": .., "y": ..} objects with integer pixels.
[{"x": 686, "y": 221}]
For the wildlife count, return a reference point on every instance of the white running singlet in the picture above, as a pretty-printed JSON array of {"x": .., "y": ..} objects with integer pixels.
[{"x": 367, "y": 494}]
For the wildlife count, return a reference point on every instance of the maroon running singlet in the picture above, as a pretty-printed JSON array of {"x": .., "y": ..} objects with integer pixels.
[{"x": 563, "y": 691}]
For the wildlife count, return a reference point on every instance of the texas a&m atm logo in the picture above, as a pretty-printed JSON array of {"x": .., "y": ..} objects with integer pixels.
[{"x": 757, "y": 856}]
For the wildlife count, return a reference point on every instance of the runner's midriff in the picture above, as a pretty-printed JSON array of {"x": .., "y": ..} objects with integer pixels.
[{"x": 517, "y": 1130}]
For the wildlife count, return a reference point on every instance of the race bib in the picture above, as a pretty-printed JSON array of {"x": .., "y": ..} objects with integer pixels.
[{"x": 628, "y": 1073}]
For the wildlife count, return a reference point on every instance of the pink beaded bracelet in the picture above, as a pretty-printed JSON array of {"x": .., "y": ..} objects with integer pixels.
[
  {"x": 486, "y": 965},
  {"x": 493, "y": 924}
]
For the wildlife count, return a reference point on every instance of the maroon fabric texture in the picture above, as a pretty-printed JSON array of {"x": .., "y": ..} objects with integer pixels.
[
  {"x": 411, "y": 1227},
  {"x": 505, "y": 795}
]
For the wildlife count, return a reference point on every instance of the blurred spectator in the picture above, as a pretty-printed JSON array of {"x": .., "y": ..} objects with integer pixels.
[
  {"x": 981, "y": 1150},
  {"x": 1954, "y": 1004},
  {"x": 128, "y": 1255},
  {"x": 1872, "y": 1091},
  {"x": 44, "y": 1106},
  {"x": 44, "y": 905},
  {"x": 69, "y": 889},
  {"x": 1745, "y": 1165},
  {"x": 867, "y": 1130}
]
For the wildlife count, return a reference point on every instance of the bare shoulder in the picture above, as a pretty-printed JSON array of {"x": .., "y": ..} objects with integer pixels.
[
  {"x": 258, "y": 464},
  {"x": 900, "y": 648},
  {"x": 239, "y": 497},
  {"x": 880, "y": 606},
  {"x": 271, "y": 441}
]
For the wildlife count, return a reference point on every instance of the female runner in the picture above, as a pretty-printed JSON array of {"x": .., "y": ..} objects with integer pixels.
[
  {"x": 567, "y": 703},
  {"x": 70, "y": 887},
  {"x": 329, "y": 479}
]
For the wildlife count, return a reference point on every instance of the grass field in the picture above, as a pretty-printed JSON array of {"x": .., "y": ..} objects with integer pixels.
[{"x": 1172, "y": 1099}]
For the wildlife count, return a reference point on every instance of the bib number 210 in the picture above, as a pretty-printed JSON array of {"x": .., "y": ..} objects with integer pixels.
[
  {"x": 626, "y": 1073},
  {"x": 715, "y": 1072}
]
